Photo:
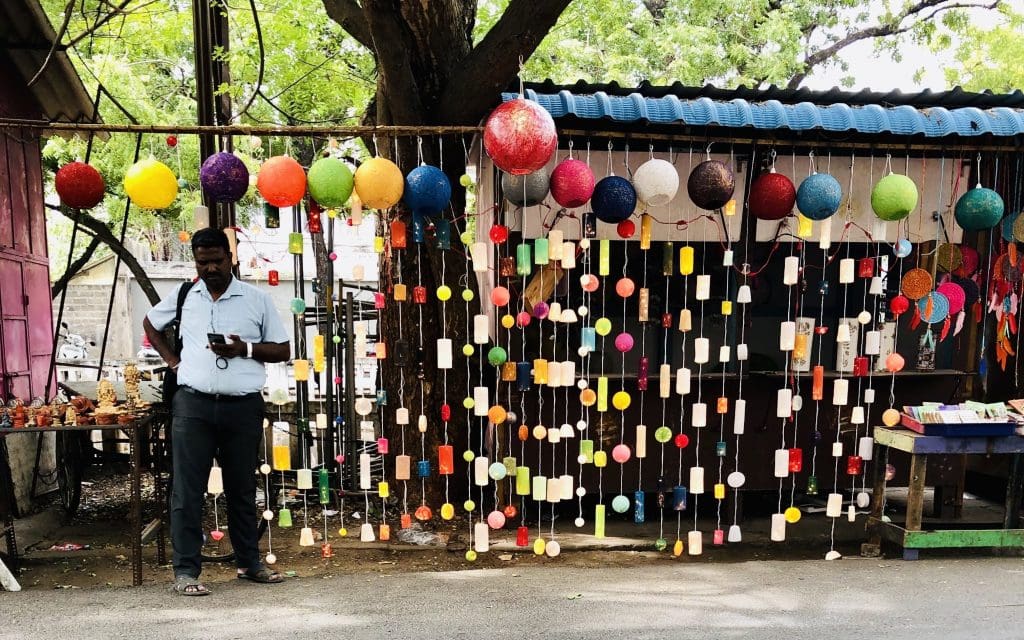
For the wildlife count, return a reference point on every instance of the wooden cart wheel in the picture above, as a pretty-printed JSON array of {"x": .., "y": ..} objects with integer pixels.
[{"x": 71, "y": 463}]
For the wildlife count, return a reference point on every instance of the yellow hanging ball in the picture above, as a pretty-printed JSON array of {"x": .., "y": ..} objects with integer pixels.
[
  {"x": 471, "y": 556},
  {"x": 792, "y": 515},
  {"x": 343, "y": 532},
  {"x": 540, "y": 432},
  {"x": 469, "y": 505},
  {"x": 603, "y": 326},
  {"x": 379, "y": 183},
  {"x": 444, "y": 293},
  {"x": 890, "y": 417},
  {"x": 538, "y": 546},
  {"x": 621, "y": 400},
  {"x": 677, "y": 548},
  {"x": 150, "y": 184},
  {"x": 497, "y": 414},
  {"x": 508, "y": 321},
  {"x": 447, "y": 511}
]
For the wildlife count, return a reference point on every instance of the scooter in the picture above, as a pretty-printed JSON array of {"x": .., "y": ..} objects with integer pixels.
[{"x": 74, "y": 346}]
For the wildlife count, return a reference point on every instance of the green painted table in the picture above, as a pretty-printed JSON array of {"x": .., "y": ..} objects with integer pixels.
[{"x": 911, "y": 537}]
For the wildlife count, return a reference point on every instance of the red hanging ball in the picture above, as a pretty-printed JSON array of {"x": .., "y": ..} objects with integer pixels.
[
  {"x": 772, "y": 196},
  {"x": 520, "y": 136},
  {"x": 899, "y": 304},
  {"x": 626, "y": 229},
  {"x": 498, "y": 233},
  {"x": 172, "y": 141},
  {"x": 80, "y": 186},
  {"x": 682, "y": 440}
]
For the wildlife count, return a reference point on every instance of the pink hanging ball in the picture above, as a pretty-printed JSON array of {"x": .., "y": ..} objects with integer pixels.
[
  {"x": 496, "y": 519},
  {"x": 894, "y": 362},
  {"x": 620, "y": 453},
  {"x": 520, "y": 136},
  {"x": 523, "y": 319},
  {"x": 625, "y": 287},
  {"x": 623, "y": 342},
  {"x": 572, "y": 183},
  {"x": 590, "y": 283},
  {"x": 500, "y": 296}
]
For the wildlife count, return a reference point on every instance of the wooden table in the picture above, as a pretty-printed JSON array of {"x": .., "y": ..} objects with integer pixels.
[
  {"x": 133, "y": 430},
  {"x": 956, "y": 534}
]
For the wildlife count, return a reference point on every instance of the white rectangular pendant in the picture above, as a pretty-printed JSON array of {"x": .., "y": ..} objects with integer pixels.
[
  {"x": 834, "y": 505},
  {"x": 683, "y": 381},
  {"x": 699, "y": 415},
  {"x": 701, "y": 347},
  {"x": 703, "y": 287},
  {"x": 739, "y": 416},
  {"x": 840, "y": 392},
  {"x": 696, "y": 480}
]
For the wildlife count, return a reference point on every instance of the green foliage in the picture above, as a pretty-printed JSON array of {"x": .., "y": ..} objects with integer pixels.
[{"x": 989, "y": 58}]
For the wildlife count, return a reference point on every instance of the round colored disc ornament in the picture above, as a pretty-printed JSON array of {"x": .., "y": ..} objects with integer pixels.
[
  {"x": 949, "y": 257},
  {"x": 613, "y": 200},
  {"x": 972, "y": 260},
  {"x": 916, "y": 283},
  {"x": 819, "y": 196},
  {"x": 1006, "y": 269},
  {"x": 711, "y": 185},
  {"x": 1018, "y": 228},
  {"x": 79, "y": 185},
  {"x": 934, "y": 307},
  {"x": 979, "y": 209},
  {"x": 772, "y": 196},
  {"x": 527, "y": 190},
  {"x": 894, "y": 197},
  {"x": 955, "y": 294},
  {"x": 520, "y": 136},
  {"x": 281, "y": 181},
  {"x": 572, "y": 183}
]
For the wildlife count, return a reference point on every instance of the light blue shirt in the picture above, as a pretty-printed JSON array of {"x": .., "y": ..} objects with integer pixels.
[{"x": 243, "y": 310}]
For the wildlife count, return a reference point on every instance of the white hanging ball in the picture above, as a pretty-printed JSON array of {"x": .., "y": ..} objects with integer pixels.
[
  {"x": 271, "y": 558},
  {"x": 582, "y": 311},
  {"x": 863, "y": 499},
  {"x": 268, "y": 515},
  {"x": 552, "y": 548},
  {"x": 798, "y": 403},
  {"x": 833, "y": 555},
  {"x": 579, "y": 522},
  {"x": 585, "y": 243},
  {"x": 736, "y": 479},
  {"x": 581, "y": 425},
  {"x": 656, "y": 182},
  {"x": 363, "y": 406},
  {"x": 582, "y": 384},
  {"x": 511, "y": 417},
  {"x": 863, "y": 317},
  {"x": 265, "y": 469},
  {"x": 582, "y": 351},
  {"x": 581, "y": 491},
  {"x": 582, "y": 459}
]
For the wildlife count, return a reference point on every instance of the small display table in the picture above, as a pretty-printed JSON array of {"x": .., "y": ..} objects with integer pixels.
[{"x": 911, "y": 536}]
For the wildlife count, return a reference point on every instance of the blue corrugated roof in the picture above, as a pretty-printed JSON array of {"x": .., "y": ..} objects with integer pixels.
[{"x": 903, "y": 120}]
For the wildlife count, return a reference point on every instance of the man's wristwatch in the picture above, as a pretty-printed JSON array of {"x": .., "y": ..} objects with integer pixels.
[{"x": 248, "y": 350}]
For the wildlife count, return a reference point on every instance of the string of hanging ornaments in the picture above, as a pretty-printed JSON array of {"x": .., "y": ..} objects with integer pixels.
[{"x": 534, "y": 368}]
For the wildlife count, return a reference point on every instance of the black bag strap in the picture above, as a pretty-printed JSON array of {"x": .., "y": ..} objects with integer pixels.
[{"x": 185, "y": 288}]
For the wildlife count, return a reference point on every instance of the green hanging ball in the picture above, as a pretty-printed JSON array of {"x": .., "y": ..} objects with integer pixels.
[
  {"x": 603, "y": 326},
  {"x": 470, "y": 555},
  {"x": 661, "y": 544},
  {"x": 468, "y": 455},
  {"x": 465, "y": 180},
  {"x": 336, "y": 339},
  {"x": 468, "y": 350},
  {"x": 469, "y": 505},
  {"x": 894, "y": 197},
  {"x": 497, "y": 356},
  {"x": 620, "y": 503},
  {"x": 468, "y": 403},
  {"x": 444, "y": 293},
  {"x": 330, "y": 182},
  {"x": 663, "y": 434},
  {"x": 979, "y": 209},
  {"x": 468, "y": 295},
  {"x": 466, "y": 237},
  {"x": 298, "y": 305}
]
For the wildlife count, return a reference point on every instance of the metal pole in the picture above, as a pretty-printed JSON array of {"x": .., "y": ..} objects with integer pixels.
[{"x": 350, "y": 385}]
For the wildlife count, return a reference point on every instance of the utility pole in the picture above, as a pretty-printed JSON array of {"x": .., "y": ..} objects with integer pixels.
[{"x": 210, "y": 31}]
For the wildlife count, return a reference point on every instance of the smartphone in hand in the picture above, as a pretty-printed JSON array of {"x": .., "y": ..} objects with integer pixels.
[{"x": 216, "y": 338}]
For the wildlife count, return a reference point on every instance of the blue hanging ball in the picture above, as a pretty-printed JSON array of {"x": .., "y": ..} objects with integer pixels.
[
  {"x": 427, "y": 190},
  {"x": 819, "y": 196},
  {"x": 903, "y": 248},
  {"x": 614, "y": 199},
  {"x": 979, "y": 209},
  {"x": 1008, "y": 223}
]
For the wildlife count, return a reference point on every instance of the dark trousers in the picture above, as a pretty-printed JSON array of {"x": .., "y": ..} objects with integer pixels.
[{"x": 230, "y": 430}]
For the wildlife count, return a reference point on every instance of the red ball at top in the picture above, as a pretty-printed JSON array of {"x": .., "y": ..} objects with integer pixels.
[
  {"x": 79, "y": 185},
  {"x": 626, "y": 229},
  {"x": 520, "y": 136},
  {"x": 772, "y": 196},
  {"x": 172, "y": 141}
]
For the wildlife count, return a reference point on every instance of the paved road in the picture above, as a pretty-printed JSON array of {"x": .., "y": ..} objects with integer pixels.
[{"x": 852, "y": 598}]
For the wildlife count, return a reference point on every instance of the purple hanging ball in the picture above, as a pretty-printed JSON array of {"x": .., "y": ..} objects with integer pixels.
[
  {"x": 540, "y": 310},
  {"x": 624, "y": 342},
  {"x": 224, "y": 177}
]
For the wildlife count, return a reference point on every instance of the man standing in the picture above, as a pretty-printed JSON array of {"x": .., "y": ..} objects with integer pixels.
[{"x": 229, "y": 329}]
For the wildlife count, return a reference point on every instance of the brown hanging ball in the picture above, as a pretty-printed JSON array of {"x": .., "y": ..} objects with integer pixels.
[{"x": 711, "y": 185}]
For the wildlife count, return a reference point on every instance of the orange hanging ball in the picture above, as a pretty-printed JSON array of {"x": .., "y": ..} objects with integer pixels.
[{"x": 281, "y": 181}]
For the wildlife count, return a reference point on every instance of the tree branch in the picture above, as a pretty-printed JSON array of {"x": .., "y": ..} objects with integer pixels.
[
  {"x": 492, "y": 64},
  {"x": 115, "y": 11},
  {"x": 62, "y": 282},
  {"x": 396, "y": 83},
  {"x": 100, "y": 230},
  {"x": 349, "y": 15},
  {"x": 880, "y": 31}
]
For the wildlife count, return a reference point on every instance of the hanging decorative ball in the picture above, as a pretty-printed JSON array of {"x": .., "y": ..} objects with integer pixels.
[
  {"x": 298, "y": 305},
  {"x": 423, "y": 513},
  {"x": 497, "y": 356},
  {"x": 588, "y": 397},
  {"x": 711, "y": 184},
  {"x": 541, "y": 310},
  {"x": 603, "y": 326},
  {"x": 894, "y": 362},
  {"x": 625, "y": 287},
  {"x": 662, "y": 434},
  {"x": 427, "y": 190},
  {"x": 528, "y": 190},
  {"x": 621, "y": 400},
  {"x": 330, "y": 182},
  {"x": 620, "y": 503},
  {"x": 447, "y": 511},
  {"x": 498, "y": 234},
  {"x": 271, "y": 559},
  {"x": 508, "y": 321},
  {"x": 624, "y": 342},
  {"x": 379, "y": 183},
  {"x": 224, "y": 177},
  {"x": 510, "y": 511},
  {"x": 539, "y": 432},
  {"x": 626, "y": 229},
  {"x": 150, "y": 184},
  {"x": 572, "y": 183},
  {"x": 589, "y": 282},
  {"x": 183, "y": 237},
  {"x": 979, "y": 209},
  {"x": 497, "y": 414},
  {"x": 523, "y": 319},
  {"x": 656, "y": 182},
  {"x": 772, "y": 196},
  {"x": 902, "y": 248},
  {"x": 281, "y": 181},
  {"x": 894, "y": 197},
  {"x": 520, "y": 136},
  {"x": 614, "y": 199},
  {"x": 79, "y": 185},
  {"x": 681, "y": 440},
  {"x": 736, "y": 479},
  {"x": 500, "y": 296},
  {"x": 496, "y": 519},
  {"x": 497, "y": 471},
  {"x": 553, "y": 549},
  {"x": 621, "y": 453},
  {"x": 819, "y": 196},
  {"x": 890, "y": 418},
  {"x": 444, "y": 293},
  {"x": 467, "y": 295},
  {"x": 899, "y": 305}
]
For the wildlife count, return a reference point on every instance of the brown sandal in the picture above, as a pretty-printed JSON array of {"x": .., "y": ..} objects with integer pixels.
[
  {"x": 262, "y": 575},
  {"x": 189, "y": 586}
]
